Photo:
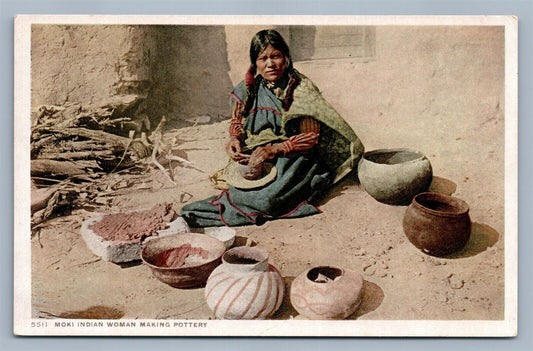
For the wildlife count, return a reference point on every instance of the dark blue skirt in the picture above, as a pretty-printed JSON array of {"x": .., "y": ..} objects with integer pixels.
[{"x": 299, "y": 181}]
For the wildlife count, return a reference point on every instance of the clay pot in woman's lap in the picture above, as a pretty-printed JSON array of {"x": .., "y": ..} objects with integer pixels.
[{"x": 250, "y": 172}]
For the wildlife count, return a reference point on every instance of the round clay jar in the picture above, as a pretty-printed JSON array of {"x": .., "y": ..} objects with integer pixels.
[
  {"x": 245, "y": 285},
  {"x": 437, "y": 224},
  {"x": 326, "y": 292},
  {"x": 394, "y": 176}
]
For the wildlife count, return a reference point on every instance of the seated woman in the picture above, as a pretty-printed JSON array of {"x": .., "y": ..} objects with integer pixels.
[{"x": 279, "y": 116}]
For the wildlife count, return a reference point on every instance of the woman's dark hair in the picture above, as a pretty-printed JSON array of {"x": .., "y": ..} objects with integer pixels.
[
  {"x": 260, "y": 42},
  {"x": 267, "y": 37}
]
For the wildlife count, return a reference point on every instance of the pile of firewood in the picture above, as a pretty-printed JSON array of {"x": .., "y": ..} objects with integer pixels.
[{"x": 73, "y": 151}]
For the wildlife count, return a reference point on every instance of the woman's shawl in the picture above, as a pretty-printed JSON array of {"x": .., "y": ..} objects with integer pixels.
[{"x": 338, "y": 148}]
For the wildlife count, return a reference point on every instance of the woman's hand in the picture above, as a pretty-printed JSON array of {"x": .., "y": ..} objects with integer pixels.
[
  {"x": 234, "y": 149},
  {"x": 262, "y": 153}
]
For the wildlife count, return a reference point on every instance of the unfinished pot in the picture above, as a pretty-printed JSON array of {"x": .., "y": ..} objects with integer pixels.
[
  {"x": 250, "y": 172},
  {"x": 437, "y": 224},
  {"x": 326, "y": 292},
  {"x": 245, "y": 285},
  {"x": 394, "y": 176}
]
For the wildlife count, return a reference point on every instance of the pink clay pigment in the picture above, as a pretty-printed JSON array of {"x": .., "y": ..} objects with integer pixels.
[{"x": 134, "y": 226}]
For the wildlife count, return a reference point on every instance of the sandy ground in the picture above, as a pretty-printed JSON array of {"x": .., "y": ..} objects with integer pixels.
[{"x": 354, "y": 232}]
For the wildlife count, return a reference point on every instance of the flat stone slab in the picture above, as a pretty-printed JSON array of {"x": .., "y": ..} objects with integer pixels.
[{"x": 124, "y": 251}]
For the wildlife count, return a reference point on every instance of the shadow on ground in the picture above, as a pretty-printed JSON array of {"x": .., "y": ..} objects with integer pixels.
[
  {"x": 372, "y": 299},
  {"x": 93, "y": 312},
  {"x": 338, "y": 190},
  {"x": 481, "y": 238},
  {"x": 442, "y": 186}
]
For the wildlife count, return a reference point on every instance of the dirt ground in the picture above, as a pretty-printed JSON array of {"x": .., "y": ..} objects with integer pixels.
[{"x": 354, "y": 232}]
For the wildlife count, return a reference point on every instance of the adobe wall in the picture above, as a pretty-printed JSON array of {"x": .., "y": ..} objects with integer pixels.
[
  {"x": 190, "y": 72},
  {"x": 420, "y": 79},
  {"x": 88, "y": 64},
  {"x": 179, "y": 70}
]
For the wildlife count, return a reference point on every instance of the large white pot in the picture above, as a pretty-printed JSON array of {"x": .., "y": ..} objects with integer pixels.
[{"x": 245, "y": 285}]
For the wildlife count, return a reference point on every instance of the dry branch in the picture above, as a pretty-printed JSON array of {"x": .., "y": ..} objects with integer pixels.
[
  {"x": 96, "y": 135},
  {"x": 77, "y": 155},
  {"x": 40, "y": 197},
  {"x": 80, "y": 155},
  {"x": 43, "y": 168}
]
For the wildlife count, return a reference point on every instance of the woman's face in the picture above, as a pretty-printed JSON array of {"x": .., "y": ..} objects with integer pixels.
[{"x": 271, "y": 64}]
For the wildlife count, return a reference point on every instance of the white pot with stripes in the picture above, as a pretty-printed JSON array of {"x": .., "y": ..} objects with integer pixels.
[{"x": 245, "y": 285}]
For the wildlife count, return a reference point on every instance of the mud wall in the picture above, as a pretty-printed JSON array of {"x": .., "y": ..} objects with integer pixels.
[
  {"x": 190, "y": 73},
  {"x": 88, "y": 64},
  {"x": 178, "y": 71},
  {"x": 421, "y": 78}
]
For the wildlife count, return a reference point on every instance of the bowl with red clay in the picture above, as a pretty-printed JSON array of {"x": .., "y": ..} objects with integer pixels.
[{"x": 183, "y": 260}]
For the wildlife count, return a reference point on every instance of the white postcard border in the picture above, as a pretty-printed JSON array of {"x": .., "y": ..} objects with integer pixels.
[{"x": 25, "y": 325}]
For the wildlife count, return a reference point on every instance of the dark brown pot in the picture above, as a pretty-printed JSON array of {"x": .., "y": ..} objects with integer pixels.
[{"x": 437, "y": 224}]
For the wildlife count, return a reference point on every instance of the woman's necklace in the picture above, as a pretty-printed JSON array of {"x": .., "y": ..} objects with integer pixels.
[{"x": 279, "y": 87}]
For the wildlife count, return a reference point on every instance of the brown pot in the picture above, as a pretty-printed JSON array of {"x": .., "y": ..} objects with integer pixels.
[{"x": 437, "y": 224}]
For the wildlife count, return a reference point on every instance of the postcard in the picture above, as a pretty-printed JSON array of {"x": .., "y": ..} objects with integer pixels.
[{"x": 266, "y": 175}]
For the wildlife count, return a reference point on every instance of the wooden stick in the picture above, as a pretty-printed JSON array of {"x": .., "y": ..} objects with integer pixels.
[
  {"x": 76, "y": 155},
  {"x": 132, "y": 134},
  {"x": 187, "y": 163},
  {"x": 45, "y": 167},
  {"x": 92, "y": 134}
]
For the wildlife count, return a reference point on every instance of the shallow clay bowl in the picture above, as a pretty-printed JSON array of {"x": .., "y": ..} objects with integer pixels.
[
  {"x": 195, "y": 271},
  {"x": 224, "y": 234}
]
